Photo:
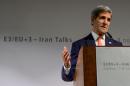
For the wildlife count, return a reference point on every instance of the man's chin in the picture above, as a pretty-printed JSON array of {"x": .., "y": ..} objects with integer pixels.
[{"x": 104, "y": 31}]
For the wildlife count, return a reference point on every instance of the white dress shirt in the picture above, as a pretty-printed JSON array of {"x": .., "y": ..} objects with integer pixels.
[{"x": 95, "y": 36}]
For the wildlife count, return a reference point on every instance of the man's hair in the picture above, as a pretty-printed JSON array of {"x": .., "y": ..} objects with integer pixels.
[{"x": 99, "y": 9}]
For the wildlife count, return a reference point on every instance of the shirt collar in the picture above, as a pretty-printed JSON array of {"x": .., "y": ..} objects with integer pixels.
[{"x": 95, "y": 36}]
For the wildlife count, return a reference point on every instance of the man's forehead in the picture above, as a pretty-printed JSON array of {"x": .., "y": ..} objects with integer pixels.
[{"x": 105, "y": 14}]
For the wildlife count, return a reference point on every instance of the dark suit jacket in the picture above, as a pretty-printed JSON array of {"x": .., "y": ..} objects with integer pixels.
[{"x": 86, "y": 41}]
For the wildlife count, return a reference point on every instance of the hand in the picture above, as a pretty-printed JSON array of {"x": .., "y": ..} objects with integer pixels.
[{"x": 66, "y": 57}]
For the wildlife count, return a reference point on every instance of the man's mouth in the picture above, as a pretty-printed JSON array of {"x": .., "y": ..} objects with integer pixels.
[{"x": 103, "y": 26}]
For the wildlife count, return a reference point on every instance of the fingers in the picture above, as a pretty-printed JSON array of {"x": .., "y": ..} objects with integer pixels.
[
  {"x": 66, "y": 57},
  {"x": 65, "y": 54}
]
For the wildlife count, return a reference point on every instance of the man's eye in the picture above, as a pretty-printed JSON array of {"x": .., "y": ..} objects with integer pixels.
[
  {"x": 109, "y": 19},
  {"x": 102, "y": 17}
]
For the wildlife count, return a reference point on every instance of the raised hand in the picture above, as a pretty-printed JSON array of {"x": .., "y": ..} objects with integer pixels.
[{"x": 66, "y": 57}]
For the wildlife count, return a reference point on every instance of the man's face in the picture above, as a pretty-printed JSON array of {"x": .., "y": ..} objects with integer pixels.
[{"x": 102, "y": 22}]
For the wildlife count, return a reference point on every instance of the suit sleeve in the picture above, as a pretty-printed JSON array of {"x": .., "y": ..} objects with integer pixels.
[{"x": 74, "y": 54}]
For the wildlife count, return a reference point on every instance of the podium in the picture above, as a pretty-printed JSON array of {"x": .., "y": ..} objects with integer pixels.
[
  {"x": 85, "y": 74},
  {"x": 103, "y": 66}
]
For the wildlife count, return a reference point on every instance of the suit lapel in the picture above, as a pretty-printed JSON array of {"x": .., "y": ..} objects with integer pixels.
[
  {"x": 108, "y": 41},
  {"x": 89, "y": 40}
]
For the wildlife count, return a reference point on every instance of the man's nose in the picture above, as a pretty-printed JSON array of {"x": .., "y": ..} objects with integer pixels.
[{"x": 105, "y": 21}]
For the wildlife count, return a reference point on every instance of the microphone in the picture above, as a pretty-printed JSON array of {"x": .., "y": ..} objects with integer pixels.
[{"x": 108, "y": 35}]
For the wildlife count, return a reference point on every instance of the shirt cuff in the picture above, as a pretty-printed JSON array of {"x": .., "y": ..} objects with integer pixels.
[{"x": 67, "y": 70}]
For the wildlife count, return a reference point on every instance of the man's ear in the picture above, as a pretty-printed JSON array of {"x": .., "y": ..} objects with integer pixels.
[{"x": 92, "y": 21}]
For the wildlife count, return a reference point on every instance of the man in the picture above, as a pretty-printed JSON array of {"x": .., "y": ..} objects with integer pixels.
[{"x": 100, "y": 20}]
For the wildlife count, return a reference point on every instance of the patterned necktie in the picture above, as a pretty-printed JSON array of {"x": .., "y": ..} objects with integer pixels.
[{"x": 99, "y": 41}]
